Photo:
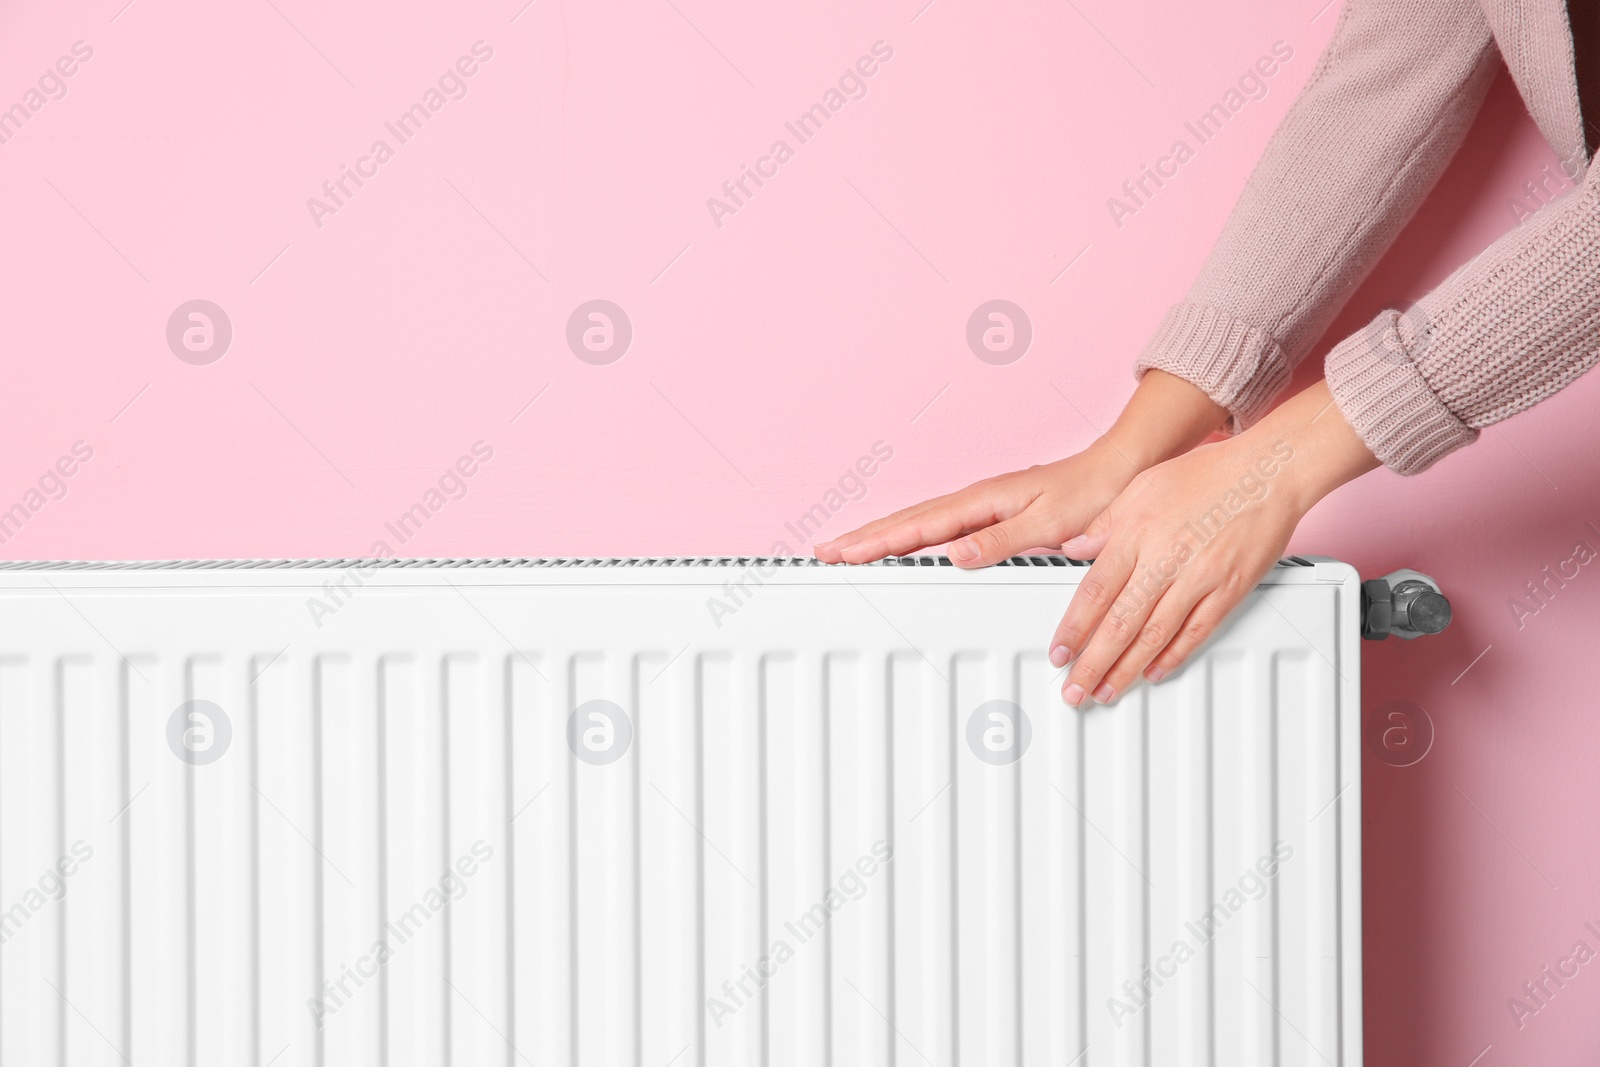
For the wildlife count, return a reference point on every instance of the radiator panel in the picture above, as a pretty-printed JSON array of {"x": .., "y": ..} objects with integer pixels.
[{"x": 410, "y": 851}]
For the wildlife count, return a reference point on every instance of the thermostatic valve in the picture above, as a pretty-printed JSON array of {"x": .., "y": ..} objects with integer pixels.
[{"x": 1405, "y": 604}]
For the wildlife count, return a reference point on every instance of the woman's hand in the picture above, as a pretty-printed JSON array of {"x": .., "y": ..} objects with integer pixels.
[
  {"x": 1188, "y": 540},
  {"x": 1173, "y": 555},
  {"x": 1044, "y": 505},
  {"x": 998, "y": 517}
]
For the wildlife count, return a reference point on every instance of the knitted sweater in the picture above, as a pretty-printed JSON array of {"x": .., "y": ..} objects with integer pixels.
[{"x": 1385, "y": 109}]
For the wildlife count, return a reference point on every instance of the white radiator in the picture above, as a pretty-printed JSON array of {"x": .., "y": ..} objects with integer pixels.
[{"x": 664, "y": 813}]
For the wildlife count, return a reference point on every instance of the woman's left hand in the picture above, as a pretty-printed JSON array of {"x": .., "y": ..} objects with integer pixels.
[{"x": 1173, "y": 555}]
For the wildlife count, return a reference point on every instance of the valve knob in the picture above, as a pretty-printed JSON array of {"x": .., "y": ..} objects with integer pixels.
[
  {"x": 1405, "y": 604},
  {"x": 1420, "y": 608}
]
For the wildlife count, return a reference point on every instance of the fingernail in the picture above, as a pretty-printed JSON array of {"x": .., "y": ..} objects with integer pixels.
[
  {"x": 1102, "y": 693},
  {"x": 1059, "y": 656},
  {"x": 1073, "y": 694},
  {"x": 824, "y": 544},
  {"x": 1074, "y": 544},
  {"x": 964, "y": 550},
  {"x": 1154, "y": 674}
]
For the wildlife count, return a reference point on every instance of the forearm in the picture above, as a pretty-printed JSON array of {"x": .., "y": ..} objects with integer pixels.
[
  {"x": 1327, "y": 451},
  {"x": 1389, "y": 102},
  {"x": 1165, "y": 417},
  {"x": 1510, "y": 328}
]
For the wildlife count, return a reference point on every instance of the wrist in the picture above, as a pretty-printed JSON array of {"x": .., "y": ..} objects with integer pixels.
[
  {"x": 1325, "y": 451},
  {"x": 1165, "y": 417}
]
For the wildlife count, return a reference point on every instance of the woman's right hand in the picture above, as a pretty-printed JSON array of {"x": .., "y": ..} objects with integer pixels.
[{"x": 1040, "y": 507}]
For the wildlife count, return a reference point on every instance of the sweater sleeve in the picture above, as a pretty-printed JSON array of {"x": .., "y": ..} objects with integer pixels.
[
  {"x": 1386, "y": 107},
  {"x": 1505, "y": 331}
]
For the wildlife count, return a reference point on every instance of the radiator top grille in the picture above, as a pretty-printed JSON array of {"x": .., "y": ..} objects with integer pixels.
[{"x": 551, "y": 561}]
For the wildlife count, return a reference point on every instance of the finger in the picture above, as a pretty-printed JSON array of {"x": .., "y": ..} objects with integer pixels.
[
  {"x": 1202, "y": 621},
  {"x": 986, "y": 547},
  {"x": 1164, "y": 623},
  {"x": 905, "y": 515},
  {"x": 1120, "y": 624},
  {"x": 1089, "y": 601},
  {"x": 1101, "y": 585},
  {"x": 964, "y": 513},
  {"x": 829, "y": 551},
  {"x": 826, "y": 549},
  {"x": 1092, "y": 541}
]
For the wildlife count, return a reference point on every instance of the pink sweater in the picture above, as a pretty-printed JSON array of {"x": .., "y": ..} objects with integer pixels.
[{"x": 1385, "y": 109}]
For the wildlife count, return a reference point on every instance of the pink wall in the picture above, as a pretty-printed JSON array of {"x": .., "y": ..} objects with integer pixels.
[{"x": 768, "y": 353}]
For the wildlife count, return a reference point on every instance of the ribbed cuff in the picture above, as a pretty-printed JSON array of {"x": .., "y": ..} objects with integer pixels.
[
  {"x": 1239, "y": 366},
  {"x": 1375, "y": 380}
]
